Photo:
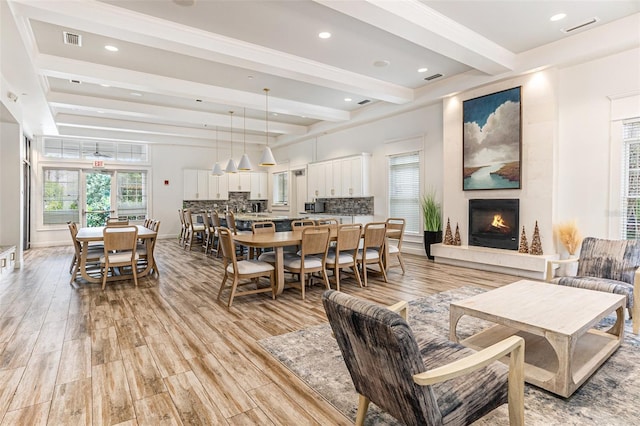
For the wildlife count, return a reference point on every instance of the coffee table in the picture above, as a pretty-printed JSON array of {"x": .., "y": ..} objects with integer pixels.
[{"x": 562, "y": 349}]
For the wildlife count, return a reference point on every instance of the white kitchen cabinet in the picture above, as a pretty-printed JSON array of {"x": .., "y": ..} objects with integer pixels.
[
  {"x": 316, "y": 181},
  {"x": 355, "y": 176},
  {"x": 219, "y": 187},
  {"x": 240, "y": 182},
  {"x": 259, "y": 187},
  {"x": 196, "y": 184}
]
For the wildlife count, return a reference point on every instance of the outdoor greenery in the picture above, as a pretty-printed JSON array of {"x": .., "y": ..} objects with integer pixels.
[
  {"x": 431, "y": 212},
  {"x": 98, "y": 198}
]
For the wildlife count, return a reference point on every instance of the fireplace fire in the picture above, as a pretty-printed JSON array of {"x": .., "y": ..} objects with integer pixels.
[{"x": 494, "y": 223}]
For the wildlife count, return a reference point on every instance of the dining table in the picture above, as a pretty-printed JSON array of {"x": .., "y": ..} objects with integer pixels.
[
  {"x": 89, "y": 235},
  {"x": 278, "y": 241}
]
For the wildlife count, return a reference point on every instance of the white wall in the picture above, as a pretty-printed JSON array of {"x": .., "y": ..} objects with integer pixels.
[
  {"x": 11, "y": 184},
  {"x": 588, "y": 163}
]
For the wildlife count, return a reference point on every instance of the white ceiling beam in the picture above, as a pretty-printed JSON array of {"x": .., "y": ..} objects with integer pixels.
[
  {"x": 412, "y": 20},
  {"x": 161, "y": 114},
  {"x": 88, "y": 72},
  {"x": 118, "y": 23}
]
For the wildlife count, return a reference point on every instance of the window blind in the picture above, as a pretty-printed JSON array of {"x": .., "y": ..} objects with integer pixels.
[
  {"x": 630, "y": 209},
  {"x": 404, "y": 190}
]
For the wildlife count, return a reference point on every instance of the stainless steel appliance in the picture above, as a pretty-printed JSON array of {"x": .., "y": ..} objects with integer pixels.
[{"x": 314, "y": 207}]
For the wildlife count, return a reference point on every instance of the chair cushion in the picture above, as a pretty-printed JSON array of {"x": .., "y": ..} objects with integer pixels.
[
  {"x": 392, "y": 249},
  {"x": 198, "y": 227},
  {"x": 459, "y": 402},
  {"x": 118, "y": 258},
  {"x": 344, "y": 257},
  {"x": 268, "y": 256},
  {"x": 295, "y": 262},
  {"x": 599, "y": 284},
  {"x": 250, "y": 267},
  {"x": 371, "y": 254}
]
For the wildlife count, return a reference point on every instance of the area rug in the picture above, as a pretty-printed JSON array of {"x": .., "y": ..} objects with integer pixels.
[{"x": 609, "y": 397}]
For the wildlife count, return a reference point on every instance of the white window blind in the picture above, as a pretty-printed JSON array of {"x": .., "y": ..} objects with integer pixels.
[
  {"x": 132, "y": 195},
  {"x": 631, "y": 181},
  {"x": 404, "y": 190},
  {"x": 61, "y": 195}
]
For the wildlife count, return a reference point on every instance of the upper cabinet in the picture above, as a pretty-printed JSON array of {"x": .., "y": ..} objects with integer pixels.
[
  {"x": 240, "y": 182},
  {"x": 259, "y": 186},
  {"x": 344, "y": 177},
  {"x": 219, "y": 187},
  {"x": 196, "y": 184}
]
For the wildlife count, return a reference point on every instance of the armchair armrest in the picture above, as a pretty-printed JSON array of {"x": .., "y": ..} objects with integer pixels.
[
  {"x": 513, "y": 345},
  {"x": 401, "y": 308},
  {"x": 548, "y": 274}
]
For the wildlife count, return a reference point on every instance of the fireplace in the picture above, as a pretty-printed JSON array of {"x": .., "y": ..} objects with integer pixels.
[{"x": 494, "y": 223}]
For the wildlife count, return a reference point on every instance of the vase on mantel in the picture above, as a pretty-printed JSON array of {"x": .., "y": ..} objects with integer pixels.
[{"x": 431, "y": 237}]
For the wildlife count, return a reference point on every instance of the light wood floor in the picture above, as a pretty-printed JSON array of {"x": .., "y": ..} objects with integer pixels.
[{"x": 167, "y": 352}]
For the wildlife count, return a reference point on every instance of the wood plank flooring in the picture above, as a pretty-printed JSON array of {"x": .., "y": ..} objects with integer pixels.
[{"x": 168, "y": 352}]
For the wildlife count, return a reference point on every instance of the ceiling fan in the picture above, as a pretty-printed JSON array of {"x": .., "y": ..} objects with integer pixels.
[{"x": 99, "y": 154}]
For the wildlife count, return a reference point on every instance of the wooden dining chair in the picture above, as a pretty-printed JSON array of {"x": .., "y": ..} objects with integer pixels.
[
  {"x": 372, "y": 250},
  {"x": 119, "y": 250},
  {"x": 195, "y": 230},
  {"x": 302, "y": 223},
  {"x": 312, "y": 257},
  {"x": 92, "y": 257},
  {"x": 395, "y": 234},
  {"x": 209, "y": 232},
  {"x": 183, "y": 228},
  {"x": 236, "y": 270},
  {"x": 230, "y": 220},
  {"x": 264, "y": 227},
  {"x": 328, "y": 221},
  {"x": 345, "y": 253},
  {"x": 147, "y": 246},
  {"x": 114, "y": 221}
]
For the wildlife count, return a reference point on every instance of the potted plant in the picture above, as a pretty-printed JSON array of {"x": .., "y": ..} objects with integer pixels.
[{"x": 432, "y": 216}]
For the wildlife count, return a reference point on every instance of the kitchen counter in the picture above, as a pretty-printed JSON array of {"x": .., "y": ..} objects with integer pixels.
[{"x": 283, "y": 222}]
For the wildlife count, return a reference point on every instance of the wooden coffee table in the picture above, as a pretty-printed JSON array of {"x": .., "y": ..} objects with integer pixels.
[{"x": 562, "y": 349}]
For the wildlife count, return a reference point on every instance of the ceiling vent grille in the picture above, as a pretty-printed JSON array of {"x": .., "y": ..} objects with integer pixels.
[
  {"x": 71, "y": 38},
  {"x": 75, "y": 81},
  {"x": 364, "y": 102},
  {"x": 580, "y": 26},
  {"x": 433, "y": 77}
]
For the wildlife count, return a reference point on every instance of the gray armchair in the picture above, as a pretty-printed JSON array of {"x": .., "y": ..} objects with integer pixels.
[
  {"x": 606, "y": 265},
  {"x": 422, "y": 380}
]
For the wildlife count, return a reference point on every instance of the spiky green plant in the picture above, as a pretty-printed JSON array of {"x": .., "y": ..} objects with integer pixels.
[{"x": 431, "y": 213}]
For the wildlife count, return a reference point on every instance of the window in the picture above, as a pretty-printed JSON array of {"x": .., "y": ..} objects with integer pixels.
[
  {"x": 132, "y": 195},
  {"x": 92, "y": 150},
  {"x": 281, "y": 188},
  {"x": 404, "y": 190},
  {"x": 61, "y": 196},
  {"x": 631, "y": 180}
]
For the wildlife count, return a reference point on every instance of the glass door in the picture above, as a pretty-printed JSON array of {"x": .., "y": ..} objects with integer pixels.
[{"x": 98, "y": 205}]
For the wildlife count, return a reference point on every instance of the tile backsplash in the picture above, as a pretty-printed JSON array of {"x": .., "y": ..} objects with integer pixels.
[
  {"x": 237, "y": 202},
  {"x": 361, "y": 206}
]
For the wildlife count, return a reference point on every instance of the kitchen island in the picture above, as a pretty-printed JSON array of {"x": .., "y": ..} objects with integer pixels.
[{"x": 283, "y": 222}]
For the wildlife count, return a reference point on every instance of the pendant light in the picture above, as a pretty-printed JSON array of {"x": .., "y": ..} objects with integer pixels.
[
  {"x": 231, "y": 165},
  {"x": 244, "y": 164},
  {"x": 267, "y": 159},
  {"x": 217, "y": 170}
]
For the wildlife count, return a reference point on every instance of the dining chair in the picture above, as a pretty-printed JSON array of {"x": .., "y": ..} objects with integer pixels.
[
  {"x": 328, "y": 221},
  {"x": 372, "y": 250},
  {"x": 395, "y": 234},
  {"x": 114, "y": 221},
  {"x": 194, "y": 230},
  {"x": 183, "y": 228},
  {"x": 92, "y": 257},
  {"x": 215, "y": 245},
  {"x": 312, "y": 257},
  {"x": 119, "y": 250},
  {"x": 209, "y": 232},
  {"x": 264, "y": 227},
  {"x": 230, "y": 219},
  {"x": 345, "y": 253},
  {"x": 302, "y": 223},
  {"x": 236, "y": 270},
  {"x": 148, "y": 245}
]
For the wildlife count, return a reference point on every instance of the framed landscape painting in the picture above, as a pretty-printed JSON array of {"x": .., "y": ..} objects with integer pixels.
[{"x": 492, "y": 137}]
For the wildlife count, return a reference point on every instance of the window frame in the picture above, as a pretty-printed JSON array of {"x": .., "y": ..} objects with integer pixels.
[
  {"x": 411, "y": 219},
  {"x": 280, "y": 195}
]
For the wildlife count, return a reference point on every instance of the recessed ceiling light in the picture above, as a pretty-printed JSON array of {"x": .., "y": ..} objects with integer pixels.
[
  {"x": 382, "y": 63},
  {"x": 111, "y": 48},
  {"x": 105, "y": 85},
  {"x": 423, "y": 69},
  {"x": 324, "y": 34},
  {"x": 198, "y": 100},
  {"x": 558, "y": 17},
  {"x": 348, "y": 99},
  {"x": 250, "y": 77},
  {"x": 135, "y": 94}
]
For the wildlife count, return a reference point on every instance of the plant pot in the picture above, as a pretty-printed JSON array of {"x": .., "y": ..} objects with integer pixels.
[{"x": 431, "y": 237}]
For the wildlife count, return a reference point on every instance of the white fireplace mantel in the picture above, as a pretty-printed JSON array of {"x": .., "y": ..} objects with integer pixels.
[{"x": 494, "y": 260}]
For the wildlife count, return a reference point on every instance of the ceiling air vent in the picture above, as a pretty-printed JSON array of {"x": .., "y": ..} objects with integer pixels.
[
  {"x": 433, "y": 77},
  {"x": 71, "y": 38},
  {"x": 76, "y": 81},
  {"x": 364, "y": 102},
  {"x": 580, "y": 26}
]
